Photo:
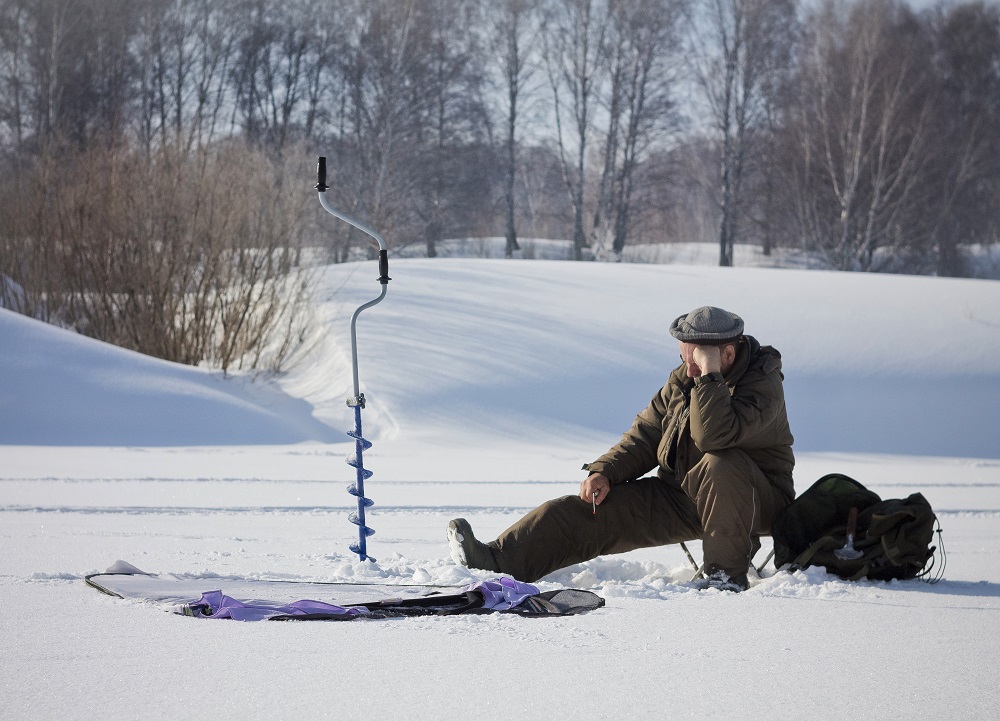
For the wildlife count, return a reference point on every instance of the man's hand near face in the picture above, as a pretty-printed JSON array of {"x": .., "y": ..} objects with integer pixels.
[{"x": 701, "y": 359}]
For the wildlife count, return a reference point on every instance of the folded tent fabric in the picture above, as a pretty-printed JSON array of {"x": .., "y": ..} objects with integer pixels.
[
  {"x": 215, "y": 604},
  {"x": 500, "y": 594}
]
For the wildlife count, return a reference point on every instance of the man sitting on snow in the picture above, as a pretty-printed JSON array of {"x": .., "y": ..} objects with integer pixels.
[{"x": 718, "y": 435}]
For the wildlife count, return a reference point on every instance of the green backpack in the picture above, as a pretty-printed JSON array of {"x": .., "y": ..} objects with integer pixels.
[{"x": 891, "y": 539}]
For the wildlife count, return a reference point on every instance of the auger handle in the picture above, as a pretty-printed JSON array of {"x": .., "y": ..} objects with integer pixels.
[
  {"x": 321, "y": 185},
  {"x": 383, "y": 267}
]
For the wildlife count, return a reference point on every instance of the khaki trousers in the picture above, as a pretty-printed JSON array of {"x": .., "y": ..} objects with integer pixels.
[{"x": 725, "y": 500}]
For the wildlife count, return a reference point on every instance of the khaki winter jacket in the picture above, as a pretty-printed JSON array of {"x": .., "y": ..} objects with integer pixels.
[{"x": 687, "y": 419}]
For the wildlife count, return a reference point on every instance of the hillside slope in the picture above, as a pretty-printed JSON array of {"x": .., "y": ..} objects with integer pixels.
[
  {"x": 556, "y": 350},
  {"x": 551, "y": 352},
  {"x": 61, "y": 388}
]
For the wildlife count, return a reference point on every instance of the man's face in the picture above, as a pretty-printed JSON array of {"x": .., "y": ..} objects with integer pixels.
[
  {"x": 702, "y": 359},
  {"x": 704, "y": 363},
  {"x": 687, "y": 354}
]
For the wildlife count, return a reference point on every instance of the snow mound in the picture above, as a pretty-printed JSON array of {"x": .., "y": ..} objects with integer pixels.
[{"x": 60, "y": 388}]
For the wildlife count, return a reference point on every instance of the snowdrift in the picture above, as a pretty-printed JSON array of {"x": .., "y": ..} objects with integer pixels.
[{"x": 61, "y": 388}]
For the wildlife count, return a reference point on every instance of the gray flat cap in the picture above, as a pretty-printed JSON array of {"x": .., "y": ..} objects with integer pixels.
[{"x": 708, "y": 326}]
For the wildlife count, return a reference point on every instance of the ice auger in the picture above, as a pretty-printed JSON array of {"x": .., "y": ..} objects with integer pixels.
[{"x": 357, "y": 401}]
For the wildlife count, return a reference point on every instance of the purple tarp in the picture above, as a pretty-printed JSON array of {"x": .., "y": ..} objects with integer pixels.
[
  {"x": 216, "y": 604},
  {"x": 500, "y": 594}
]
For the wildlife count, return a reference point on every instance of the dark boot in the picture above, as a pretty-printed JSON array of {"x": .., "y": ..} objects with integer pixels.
[
  {"x": 466, "y": 550},
  {"x": 722, "y": 581}
]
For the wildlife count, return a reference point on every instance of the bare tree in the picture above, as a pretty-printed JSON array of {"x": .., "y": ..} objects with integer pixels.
[
  {"x": 737, "y": 45},
  {"x": 965, "y": 167},
  {"x": 49, "y": 44},
  {"x": 639, "y": 108},
  {"x": 184, "y": 54},
  {"x": 863, "y": 131},
  {"x": 514, "y": 33},
  {"x": 323, "y": 84},
  {"x": 382, "y": 108},
  {"x": 278, "y": 72},
  {"x": 14, "y": 81},
  {"x": 67, "y": 67},
  {"x": 255, "y": 67},
  {"x": 573, "y": 46},
  {"x": 449, "y": 83}
]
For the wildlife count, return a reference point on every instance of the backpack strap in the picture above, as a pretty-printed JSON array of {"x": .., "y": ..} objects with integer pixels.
[
  {"x": 863, "y": 573},
  {"x": 925, "y": 574},
  {"x": 803, "y": 559}
]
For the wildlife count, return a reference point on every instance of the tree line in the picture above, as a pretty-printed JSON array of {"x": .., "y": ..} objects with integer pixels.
[{"x": 157, "y": 154}]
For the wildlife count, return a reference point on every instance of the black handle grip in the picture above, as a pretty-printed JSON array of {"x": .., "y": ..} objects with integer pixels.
[
  {"x": 383, "y": 267},
  {"x": 321, "y": 185}
]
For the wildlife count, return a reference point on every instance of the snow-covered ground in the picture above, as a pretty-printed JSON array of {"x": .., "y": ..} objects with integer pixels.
[{"x": 489, "y": 383}]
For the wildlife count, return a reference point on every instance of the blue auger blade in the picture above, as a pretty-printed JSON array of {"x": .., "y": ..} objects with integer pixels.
[
  {"x": 365, "y": 473},
  {"x": 356, "y": 548},
  {"x": 353, "y": 518},
  {"x": 365, "y": 444},
  {"x": 353, "y": 490}
]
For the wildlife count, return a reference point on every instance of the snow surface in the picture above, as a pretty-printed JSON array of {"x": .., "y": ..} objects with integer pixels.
[{"x": 489, "y": 383}]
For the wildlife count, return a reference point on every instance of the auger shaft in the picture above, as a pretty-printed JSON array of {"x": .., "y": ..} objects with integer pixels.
[{"x": 357, "y": 401}]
